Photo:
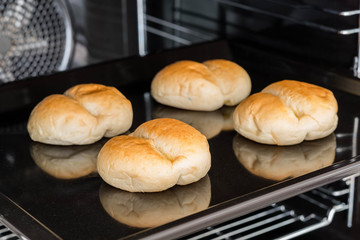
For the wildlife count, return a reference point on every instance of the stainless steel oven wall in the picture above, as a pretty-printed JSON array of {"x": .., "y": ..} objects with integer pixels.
[
  {"x": 320, "y": 32},
  {"x": 105, "y": 30}
]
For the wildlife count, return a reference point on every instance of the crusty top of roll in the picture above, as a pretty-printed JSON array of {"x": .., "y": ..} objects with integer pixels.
[
  {"x": 144, "y": 210},
  {"x": 281, "y": 162},
  {"x": 82, "y": 115},
  {"x": 203, "y": 86},
  {"x": 286, "y": 113},
  {"x": 158, "y": 155}
]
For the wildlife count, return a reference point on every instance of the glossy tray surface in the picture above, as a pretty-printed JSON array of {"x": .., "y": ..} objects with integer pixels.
[{"x": 244, "y": 175}]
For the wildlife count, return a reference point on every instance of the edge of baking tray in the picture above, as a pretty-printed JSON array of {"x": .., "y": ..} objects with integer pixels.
[
  {"x": 22, "y": 224},
  {"x": 26, "y": 93},
  {"x": 251, "y": 202}
]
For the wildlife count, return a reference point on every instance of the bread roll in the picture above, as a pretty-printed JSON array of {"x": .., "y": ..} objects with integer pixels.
[
  {"x": 281, "y": 162},
  {"x": 286, "y": 113},
  {"x": 82, "y": 115},
  {"x": 201, "y": 86},
  {"x": 66, "y": 162},
  {"x": 144, "y": 210},
  {"x": 208, "y": 123},
  {"x": 158, "y": 155}
]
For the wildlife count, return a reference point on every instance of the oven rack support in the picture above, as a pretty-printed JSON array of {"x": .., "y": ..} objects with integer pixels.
[
  {"x": 275, "y": 219},
  {"x": 340, "y": 31},
  {"x": 176, "y": 29}
]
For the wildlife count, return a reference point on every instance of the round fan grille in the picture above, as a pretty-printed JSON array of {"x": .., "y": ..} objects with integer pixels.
[{"x": 35, "y": 38}]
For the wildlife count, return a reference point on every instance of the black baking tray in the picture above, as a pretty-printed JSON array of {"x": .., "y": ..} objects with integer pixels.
[{"x": 41, "y": 205}]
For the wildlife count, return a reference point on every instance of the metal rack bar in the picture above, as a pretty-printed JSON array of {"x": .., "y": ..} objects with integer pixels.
[
  {"x": 279, "y": 16},
  {"x": 177, "y": 27},
  {"x": 278, "y": 216},
  {"x": 302, "y": 5}
]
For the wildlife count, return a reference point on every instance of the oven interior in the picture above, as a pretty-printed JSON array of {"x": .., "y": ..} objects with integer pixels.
[{"x": 78, "y": 35}]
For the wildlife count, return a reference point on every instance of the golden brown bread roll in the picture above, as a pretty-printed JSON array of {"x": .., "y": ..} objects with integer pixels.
[
  {"x": 158, "y": 155},
  {"x": 144, "y": 210},
  {"x": 66, "y": 162},
  {"x": 203, "y": 86},
  {"x": 208, "y": 123},
  {"x": 286, "y": 113},
  {"x": 82, "y": 115},
  {"x": 281, "y": 162}
]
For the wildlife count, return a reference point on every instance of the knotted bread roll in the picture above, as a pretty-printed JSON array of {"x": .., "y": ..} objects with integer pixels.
[
  {"x": 203, "y": 86},
  {"x": 158, "y": 155},
  {"x": 82, "y": 115},
  {"x": 286, "y": 113}
]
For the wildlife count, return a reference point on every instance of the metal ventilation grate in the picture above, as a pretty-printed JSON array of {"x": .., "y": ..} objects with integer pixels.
[{"x": 35, "y": 38}]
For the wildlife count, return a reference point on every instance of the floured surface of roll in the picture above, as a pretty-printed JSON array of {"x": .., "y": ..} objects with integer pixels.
[
  {"x": 286, "y": 113},
  {"x": 144, "y": 210},
  {"x": 158, "y": 155},
  {"x": 201, "y": 86},
  {"x": 82, "y": 115},
  {"x": 281, "y": 162}
]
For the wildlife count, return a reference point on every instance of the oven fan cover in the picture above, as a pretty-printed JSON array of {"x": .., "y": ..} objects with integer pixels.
[{"x": 36, "y": 38}]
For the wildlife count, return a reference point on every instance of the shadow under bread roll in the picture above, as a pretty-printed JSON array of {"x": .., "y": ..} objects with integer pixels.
[
  {"x": 281, "y": 162},
  {"x": 208, "y": 123},
  {"x": 66, "y": 162},
  {"x": 144, "y": 210}
]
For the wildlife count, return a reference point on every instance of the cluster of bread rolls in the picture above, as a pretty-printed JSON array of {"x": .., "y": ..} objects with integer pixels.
[
  {"x": 165, "y": 152},
  {"x": 156, "y": 156}
]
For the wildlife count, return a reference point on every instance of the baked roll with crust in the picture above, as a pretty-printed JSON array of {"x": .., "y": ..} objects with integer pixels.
[
  {"x": 203, "y": 86},
  {"x": 286, "y": 113},
  {"x": 82, "y": 115},
  {"x": 158, "y": 155}
]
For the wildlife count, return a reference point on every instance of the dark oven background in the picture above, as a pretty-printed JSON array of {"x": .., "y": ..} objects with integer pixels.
[{"x": 50, "y": 36}]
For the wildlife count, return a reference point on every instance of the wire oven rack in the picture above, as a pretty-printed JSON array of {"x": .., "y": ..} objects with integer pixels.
[
  {"x": 180, "y": 33},
  {"x": 287, "y": 220}
]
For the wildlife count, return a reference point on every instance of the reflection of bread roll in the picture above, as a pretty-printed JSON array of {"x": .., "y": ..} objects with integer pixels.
[
  {"x": 145, "y": 210},
  {"x": 157, "y": 155},
  {"x": 203, "y": 86},
  {"x": 82, "y": 115},
  {"x": 287, "y": 112},
  {"x": 208, "y": 123},
  {"x": 66, "y": 162},
  {"x": 281, "y": 162},
  {"x": 227, "y": 113}
]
